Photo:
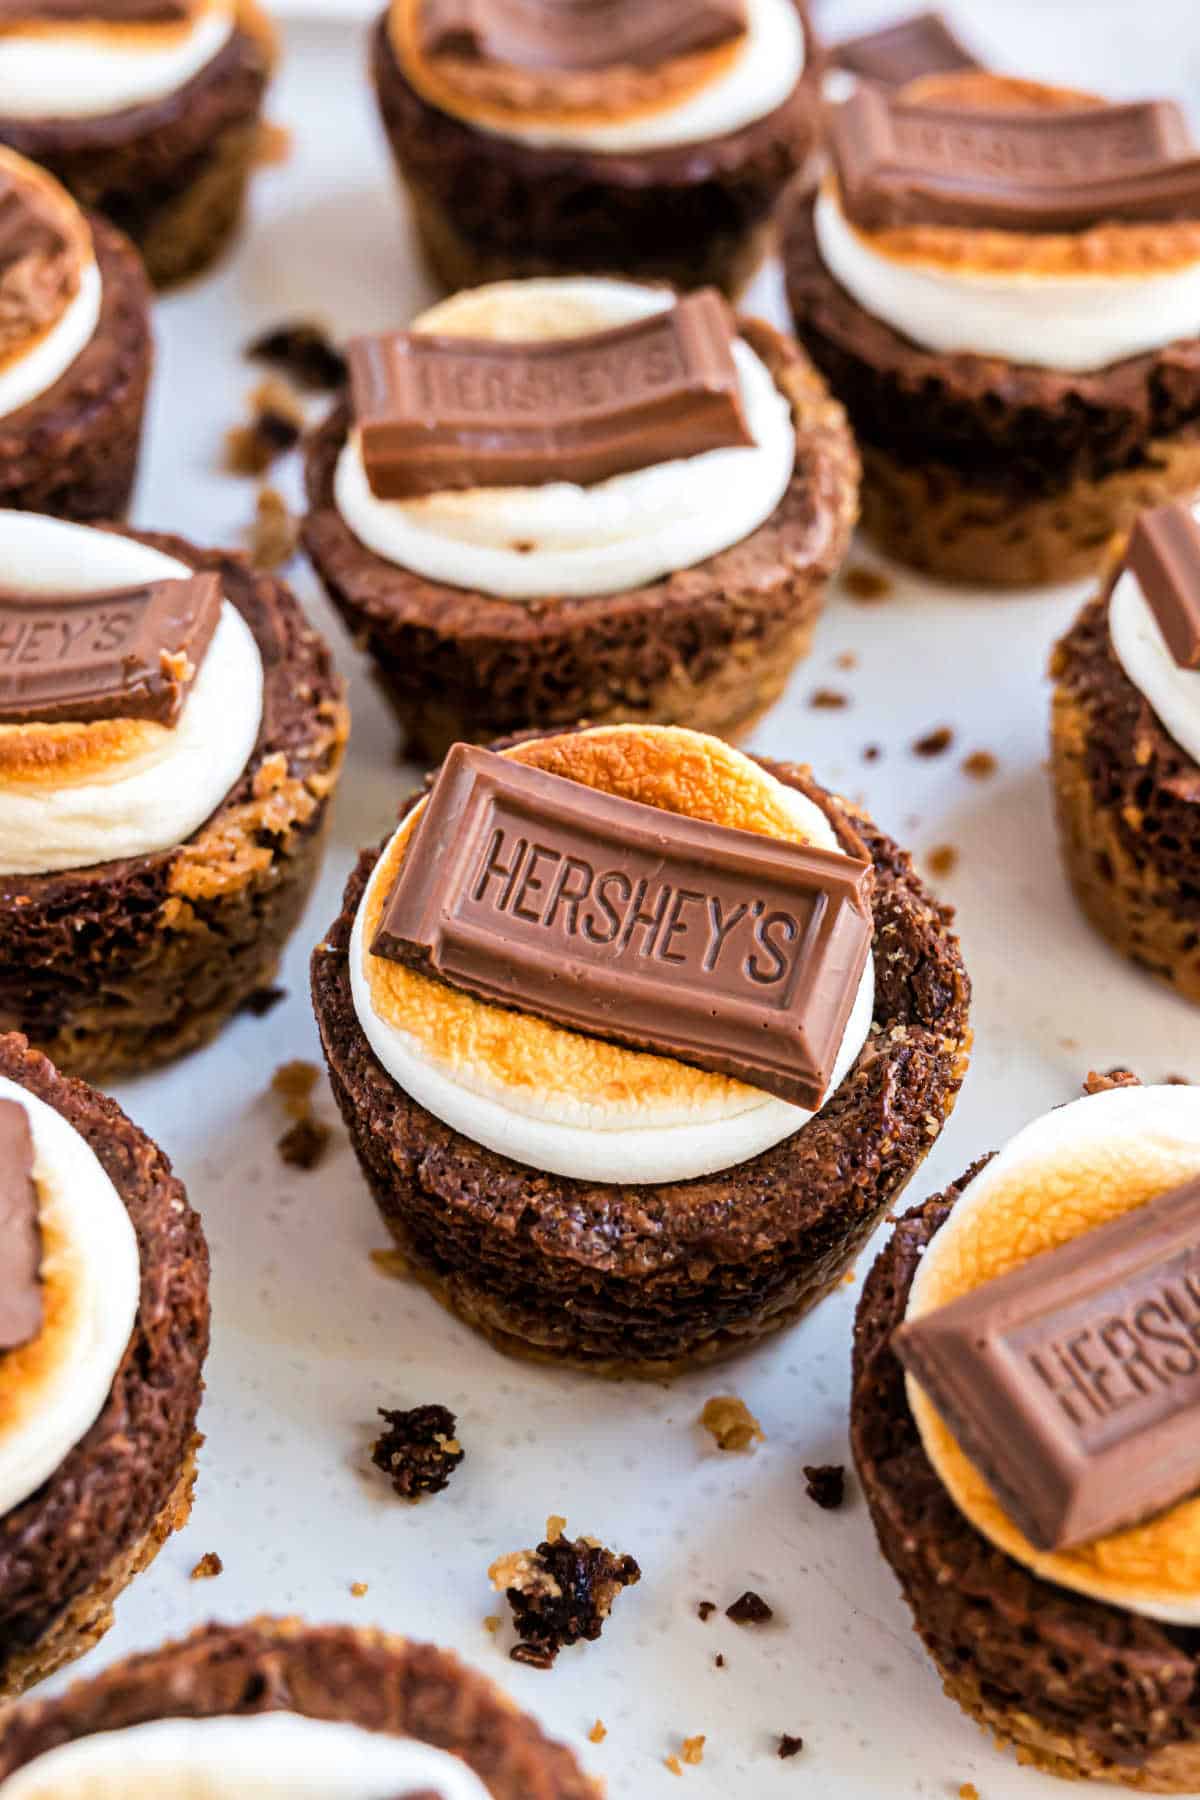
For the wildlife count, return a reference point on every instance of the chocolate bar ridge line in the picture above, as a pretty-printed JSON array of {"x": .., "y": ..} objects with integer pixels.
[
  {"x": 523, "y": 415},
  {"x": 21, "y": 1308},
  {"x": 1067, "y": 1474},
  {"x": 1014, "y": 184},
  {"x": 610, "y": 34},
  {"x": 47, "y": 677},
  {"x": 786, "y": 1043},
  {"x": 1164, "y": 557}
]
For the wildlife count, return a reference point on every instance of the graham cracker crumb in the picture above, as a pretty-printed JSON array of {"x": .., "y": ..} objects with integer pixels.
[
  {"x": 847, "y": 660},
  {"x": 274, "y": 427},
  {"x": 304, "y": 1144},
  {"x": 210, "y": 1565},
  {"x": 732, "y": 1424},
  {"x": 273, "y": 144},
  {"x": 492, "y": 1623},
  {"x": 1116, "y": 1078},
  {"x": 273, "y": 533},
  {"x": 789, "y": 1745},
  {"x": 358, "y": 1589},
  {"x": 934, "y": 743},
  {"x": 693, "y": 1750},
  {"x": 828, "y": 699},
  {"x": 867, "y": 586},
  {"x": 391, "y": 1262},
  {"x": 556, "y": 1524},
  {"x": 598, "y": 1733},
  {"x": 980, "y": 765},
  {"x": 673, "y": 1763},
  {"x": 968, "y": 1791},
  {"x": 942, "y": 859},
  {"x": 294, "y": 1083}
]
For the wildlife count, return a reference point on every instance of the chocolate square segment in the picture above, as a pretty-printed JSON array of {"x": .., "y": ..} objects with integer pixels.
[
  {"x": 578, "y": 34},
  {"x": 897, "y": 54},
  {"x": 1164, "y": 555},
  {"x": 127, "y": 653},
  {"x": 1073, "y": 1382},
  {"x": 902, "y": 162},
  {"x": 20, "y": 1238},
  {"x": 729, "y": 950},
  {"x": 443, "y": 413}
]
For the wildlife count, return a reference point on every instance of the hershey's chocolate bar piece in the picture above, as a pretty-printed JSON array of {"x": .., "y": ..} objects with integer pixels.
[
  {"x": 102, "y": 12},
  {"x": 1164, "y": 554},
  {"x": 441, "y": 413},
  {"x": 1073, "y": 1383},
  {"x": 897, "y": 54},
  {"x": 129, "y": 653},
  {"x": 578, "y": 34},
  {"x": 26, "y": 227},
  {"x": 20, "y": 1238},
  {"x": 909, "y": 163},
  {"x": 729, "y": 950}
]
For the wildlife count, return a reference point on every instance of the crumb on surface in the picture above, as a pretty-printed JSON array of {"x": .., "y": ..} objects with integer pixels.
[
  {"x": 302, "y": 349},
  {"x": 303, "y": 1145},
  {"x": 673, "y": 1763},
  {"x": 210, "y": 1565},
  {"x": 732, "y": 1424},
  {"x": 274, "y": 532},
  {"x": 968, "y": 1791},
  {"x": 358, "y": 1589},
  {"x": 692, "y": 1750},
  {"x": 789, "y": 1745},
  {"x": 273, "y": 428},
  {"x": 561, "y": 1593},
  {"x": 262, "y": 1001},
  {"x": 979, "y": 765},
  {"x": 598, "y": 1733},
  {"x": 825, "y": 1484},
  {"x": 419, "y": 1450},
  {"x": 865, "y": 584},
  {"x": 272, "y": 144},
  {"x": 705, "y": 1610},
  {"x": 492, "y": 1623},
  {"x": 942, "y": 859},
  {"x": 872, "y": 752},
  {"x": 294, "y": 1083},
  {"x": 848, "y": 659},
  {"x": 1097, "y": 1083},
  {"x": 556, "y": 1524},
  {"x": 749, "y": 1609},
  {"x": 391, "y": 1262},
  {"x": 828, "y": 699},
  {"x": 934, "y": 743},
  {"x": 719, "y": 1660}
]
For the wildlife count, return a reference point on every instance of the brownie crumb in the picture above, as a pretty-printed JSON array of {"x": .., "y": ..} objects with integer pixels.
[
  {"x": 692, "y": 1750},
  {"x": 826, "y": 1484},
  {"x": 275, "y": 424},
  {"x": 719, "y": 1660},
  {"x": 942, "y": 859},
  {"x": 872, "y": 753},
  {"x": 749, "y": 1609},
  {"x": 705, "y": 1610},
  {"x": 847, "y": 660},
  {"x": 828, "y": 699},
  {"x": 868, "y": 586},
  {"x": 303, "y": 1145},
  {"x": 731, "y": 1423},
  {"x": 598, "y": 1733},
  {"x": 303, "y": 351},
  {"x": 210, "y": 1565},
  {"x": 273, "y": 533},
  {"x": 358, "y": 1589},
  {"x": 934, "y": 743},
  {"x": 262, "y": 1001},
  {"x": 980, "y": 765},
  {"x": 306, "y": 1140},
  {"x": 561, "y": 1593},
  {"x": 1115, "y": 1078},
  {"x": 789, "y": 1745},
  {"x": 419, "y": 1450},
  {"x": 1176, "y": 1081}
]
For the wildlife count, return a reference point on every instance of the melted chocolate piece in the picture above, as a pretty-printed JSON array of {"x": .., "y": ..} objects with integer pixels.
[
  {"x": 1164, "y": 554},
  {"x": 442, "y": 413},
  {"x": 1073, "y": 1382},
  {"x": 727, "y": 949},
  {"x": 26, "y": 228},
  {"x": 103, "y": 12},
  {"x": 897, "y": 54},
  {"x": 20, "y": 1238},
  {"x": 128, "y": 653},
  {"x": 909, "y": 163},
  {"x": 578, "y": 34}
]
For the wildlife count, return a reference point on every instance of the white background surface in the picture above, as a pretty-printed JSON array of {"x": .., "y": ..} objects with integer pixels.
[{"x": 309, "y": 1337}]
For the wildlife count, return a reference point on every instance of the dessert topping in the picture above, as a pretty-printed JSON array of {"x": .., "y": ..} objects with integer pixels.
[
  {"x": 106, "y": 12},
  {"x": 1164, "y": 555},
  {"x": 438, "y": 414},
  {"x": 899, "y": 53},
  {"x": 578, "y": 34},
  {"x": 128, "y": 653},
  {"x": 730, "y": 950},
  {"x": 1073, "y": 1381},
  {"x": 20, "y": 1238},
  {"x": 910, "y": 162}
]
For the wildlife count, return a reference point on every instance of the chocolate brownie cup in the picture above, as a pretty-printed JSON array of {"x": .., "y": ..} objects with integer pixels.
[
  {"x": 594, "y": 1187},
  {"x": 1019, "y": 360},
  {"x": 679, "y": 584},
  {"x": 647, "y": 139},
  {"x": 1083, "y": 1657},
  {"x": 75, "y": 352},
  {"x": 147, "y": 110},
  {"x": 103, "y": 1333},
  {"x": 171, "y": 730},
  {"x": 320, "y": 1711},
  {"x": 1125, "y": 751}
]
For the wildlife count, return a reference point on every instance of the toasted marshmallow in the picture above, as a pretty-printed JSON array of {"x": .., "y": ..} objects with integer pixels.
[
  {"x": 53, "y": 1388},
  {"x": 558, "y": 1100},
  {"x": 1172, "y": 693},
  {"x": 261, "y": 1756},
  {"x": 706, "y": 96},
  {"x": 86, "y": 69},
  {"x": 1073, "y": 1170},
  {"x": 51, "y": 301},
  {"x": 73, "y": 795},
  {"x": 561, "y": 538}
]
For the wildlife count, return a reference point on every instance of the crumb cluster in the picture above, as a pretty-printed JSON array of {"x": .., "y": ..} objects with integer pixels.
[
  {"x": 561, "y": 1593},
  {"x": 419, "y": 1451}
]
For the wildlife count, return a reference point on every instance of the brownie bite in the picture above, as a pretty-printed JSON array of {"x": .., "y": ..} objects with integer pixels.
[
  {"x": 650, "y": 540},
  {"x": 621, "y": 1118},
  {"x": 338, "y": 1711},
  {"x": 1125, "y": 750},
  {"x": 653, "y": 140},
  {"x": 147, "y": 110},
  {"x": 103, "y": 1333},
  {"x": 75, "y": 352},
  {"x": 1018, "y": 356},
  {"x": 1033, "y": 1478},
  {"x": 171, "y": 730}
]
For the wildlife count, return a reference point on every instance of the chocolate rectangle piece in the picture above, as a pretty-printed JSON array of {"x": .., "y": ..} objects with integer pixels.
[
  {"x": 908, "y": 163},
  {"x": 897, "y": 54},
  {"x": 726, "y": 949},
  {"x": 20, "y": 1236},
  {"x": 1164, "y": 555},
  {"x": 128, "y": 653},
  {"x": 1073, "y": 1383},
  {"x": 442, "y": 413},
  {"x": 578, "y": 34}
]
